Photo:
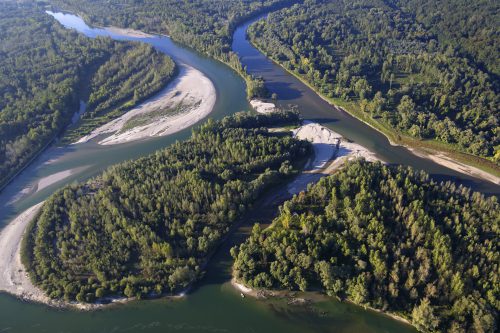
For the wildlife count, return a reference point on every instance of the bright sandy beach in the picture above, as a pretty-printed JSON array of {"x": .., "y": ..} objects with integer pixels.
[
  {"x": 14, "y": 278},
  {"x": 331, "y": 151},
  {"x": 190, "y": 97},
  {"x": 262, "y": 107}
]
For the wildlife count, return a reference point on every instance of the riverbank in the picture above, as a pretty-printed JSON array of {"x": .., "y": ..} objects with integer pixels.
[
  {"x": 450, "y": 163},
  {"x": 304, "y": 298},
  {"x": 434, "y": 151},
  {"x": 331, "y": 151},
  {"x": 15, "y": 279},
  {"x": 185, "y": 101}
]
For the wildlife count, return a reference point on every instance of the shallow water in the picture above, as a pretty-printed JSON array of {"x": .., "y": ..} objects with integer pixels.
[{"x": 213, "y": 305}]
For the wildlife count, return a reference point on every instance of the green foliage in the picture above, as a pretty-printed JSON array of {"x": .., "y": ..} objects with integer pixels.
[
  {"x": 44, "y": 72},
  {"x": 148, "y": 226},
  {"x": 388, "y": 237},
  {"x": 205, "y": 25},
  {"x": 427, "y": 70}
]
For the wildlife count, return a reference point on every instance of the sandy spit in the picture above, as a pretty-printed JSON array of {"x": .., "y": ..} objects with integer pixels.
[
  {"x": 14, "y": 279},
  {"x": 46, "y": 182},
  {"x": 331, "y": 151},
  {"x": 191, "y": 87},
  {"x": 262, "y": 107},
  {"x": 58, "y": 176},
  {"x": 128, "y": 32}
]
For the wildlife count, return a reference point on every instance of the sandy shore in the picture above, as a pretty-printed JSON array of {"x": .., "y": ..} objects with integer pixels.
[
  {"x": 262, "y": 107},
  {"x": 191, "y": 90},
  {"x": 442, "y": 159},
  {"x": 305, "y": 298},
  {"x": 14, "y": 278},
  {"x": 46, "y": 182},
  {"x": 331, "y": 151},
  {"x": 128, "y": 32}
]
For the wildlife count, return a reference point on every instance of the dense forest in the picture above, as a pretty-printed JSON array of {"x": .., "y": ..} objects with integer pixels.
[
  {"x": 388, "y": 237},
  {"x": 427, "y": 69},
  {"x": 146, "y": 227},
  {"x": 205, "y": 25},
  {"x": 45, "y": 70}
]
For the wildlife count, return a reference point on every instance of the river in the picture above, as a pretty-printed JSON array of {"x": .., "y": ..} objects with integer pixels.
[{"x": 213, "y": 305}]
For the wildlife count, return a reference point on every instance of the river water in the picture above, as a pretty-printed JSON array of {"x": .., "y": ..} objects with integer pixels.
[{"x": 213, "y": 305}]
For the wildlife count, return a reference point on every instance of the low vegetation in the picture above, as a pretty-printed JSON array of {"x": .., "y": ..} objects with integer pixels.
[{"x": 390, "y": 238}]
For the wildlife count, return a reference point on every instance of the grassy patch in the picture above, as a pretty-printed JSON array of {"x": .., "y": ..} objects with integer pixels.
[{"x": 149, "y": 117}]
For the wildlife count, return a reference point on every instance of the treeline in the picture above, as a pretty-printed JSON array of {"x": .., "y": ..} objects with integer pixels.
[
  {"x": 472, "y": 29},
  {"x": 147, "y": 227},
  {"x": 427, "y": 71},
  {"x": 388, "y": 237},
  {"x": 44, "y": 73},
  {"x": 205, "y": 25}
]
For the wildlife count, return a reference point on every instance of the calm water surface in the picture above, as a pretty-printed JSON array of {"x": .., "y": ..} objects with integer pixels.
[
  {"x": 292, "y": 91},
  {"x": 212, "y": 306}
]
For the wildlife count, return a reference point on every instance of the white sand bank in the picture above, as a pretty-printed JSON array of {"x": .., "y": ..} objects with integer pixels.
[
  {"x": 14, "y": 278},
  {"x": 128, "y": 32},
  {"x": 57, "y": 177},
  {"x": 46, "y": 182},
  {"x": 262, "y": 107},
  {"x": 331, "y": 150},
  {"x": 191, "y": 88},
  {"x": 442, "y": 159}
]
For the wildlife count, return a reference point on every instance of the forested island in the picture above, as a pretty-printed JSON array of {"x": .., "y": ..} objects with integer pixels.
[
  {"x": 47, "y": 70},
  {"x": 423, "y": 72},
  {"x": 388, "y": 237},
  {"x": 147, "y": 227}
]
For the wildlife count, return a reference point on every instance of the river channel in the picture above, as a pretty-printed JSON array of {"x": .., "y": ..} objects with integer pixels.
[{"x": 212, "y": 305}]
